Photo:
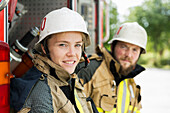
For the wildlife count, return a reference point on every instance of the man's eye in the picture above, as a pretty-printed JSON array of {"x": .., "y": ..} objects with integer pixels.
[
  {"x": 123, "y": 46},
  {"x": 135, "y": 50}
]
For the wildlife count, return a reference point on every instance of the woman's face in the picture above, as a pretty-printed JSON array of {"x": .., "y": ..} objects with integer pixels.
[{"x": 65, "y": 49}]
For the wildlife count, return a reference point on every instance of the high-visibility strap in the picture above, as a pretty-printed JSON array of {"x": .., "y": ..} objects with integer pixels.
[
  {"x": 138, "y": 111},
  {"x": 78, "y": 102},
  {"x": 123, "y": 99},
  {"x": 100, "y": 110},
  {"x": 135, "y": 110}
]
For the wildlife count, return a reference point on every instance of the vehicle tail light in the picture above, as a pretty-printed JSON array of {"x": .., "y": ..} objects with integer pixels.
[{"x": 4, "y": 78}]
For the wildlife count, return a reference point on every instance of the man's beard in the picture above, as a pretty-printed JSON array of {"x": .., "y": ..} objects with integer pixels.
[{"x": 126, "y": 71}]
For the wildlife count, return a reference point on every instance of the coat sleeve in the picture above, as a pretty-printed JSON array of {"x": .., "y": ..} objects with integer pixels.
[
  {"x": 39, "y": 99},
  {"x": 86, "y": 76}
]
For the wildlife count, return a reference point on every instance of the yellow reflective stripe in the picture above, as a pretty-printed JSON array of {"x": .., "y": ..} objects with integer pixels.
[
  {"x": 100, "y": 110},
  {"x": 135, "y": 109},
  {"x": 131, "y": 108},
  {"x": 127, "y": 102},
  {"x": 138, "y": 111},
  {"x": 78, "y": 102},
  {"x": 119, "y": 97},
  {"x": 123, "y": 99}
]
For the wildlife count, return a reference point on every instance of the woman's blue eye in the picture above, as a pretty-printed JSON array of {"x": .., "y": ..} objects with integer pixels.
[{"x": 78, "y": 45}]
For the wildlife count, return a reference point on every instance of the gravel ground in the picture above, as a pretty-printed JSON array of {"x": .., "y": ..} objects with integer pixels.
[{"x": 155, "y": 90}]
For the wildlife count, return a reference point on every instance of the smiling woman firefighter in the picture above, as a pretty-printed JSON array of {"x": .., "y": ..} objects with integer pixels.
[{"x": 51, "y": 85}]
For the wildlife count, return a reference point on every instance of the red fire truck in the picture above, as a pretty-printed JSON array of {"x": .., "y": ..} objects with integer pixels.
[{"x": 19, "y": 29}]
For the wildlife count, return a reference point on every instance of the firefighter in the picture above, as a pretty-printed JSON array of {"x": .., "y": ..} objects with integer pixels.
[
  {"x": 51, "y": 86},
  {"x": 109, "y": 78}
]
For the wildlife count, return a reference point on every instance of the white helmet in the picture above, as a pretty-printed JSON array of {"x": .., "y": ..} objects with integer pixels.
[
  {"x": 132, "y": 33},
  {"x": 63, "y": 20}
]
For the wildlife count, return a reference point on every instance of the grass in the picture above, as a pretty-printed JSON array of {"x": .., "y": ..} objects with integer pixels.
[{"x": 155, "y": 60}]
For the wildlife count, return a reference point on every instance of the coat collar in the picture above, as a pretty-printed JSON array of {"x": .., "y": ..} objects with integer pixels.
[
  {"x": 44, "y": 64},
  {"x": 108, "y": 58}
]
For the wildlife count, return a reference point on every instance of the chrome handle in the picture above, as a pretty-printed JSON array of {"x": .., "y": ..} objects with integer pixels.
[{"x": 3, "y": 4}]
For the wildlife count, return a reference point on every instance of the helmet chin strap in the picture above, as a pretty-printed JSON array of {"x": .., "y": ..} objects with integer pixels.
[
  {"x": 46, "y": 49},
  {"x": 87, "y": 61}
]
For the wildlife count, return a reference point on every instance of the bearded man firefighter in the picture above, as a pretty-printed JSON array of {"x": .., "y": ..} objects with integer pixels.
[{"x": 109, "y": 77}]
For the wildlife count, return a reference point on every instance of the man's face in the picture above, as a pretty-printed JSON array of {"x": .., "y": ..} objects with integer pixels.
[
  {"x": 127, "y": 55},
  {"x": 65, "y": 49}
]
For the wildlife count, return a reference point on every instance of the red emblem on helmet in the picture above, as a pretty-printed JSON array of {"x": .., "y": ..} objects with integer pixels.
[
  {"x": 119, "y": 29},
  {"x": 43, "y": 24}
]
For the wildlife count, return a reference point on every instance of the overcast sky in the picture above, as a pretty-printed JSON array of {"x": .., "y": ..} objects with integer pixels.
[{"x": 123, "y": 5}]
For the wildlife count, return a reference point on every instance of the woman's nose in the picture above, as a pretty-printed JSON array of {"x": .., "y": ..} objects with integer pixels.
[{"x": 71, "y": 51}]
